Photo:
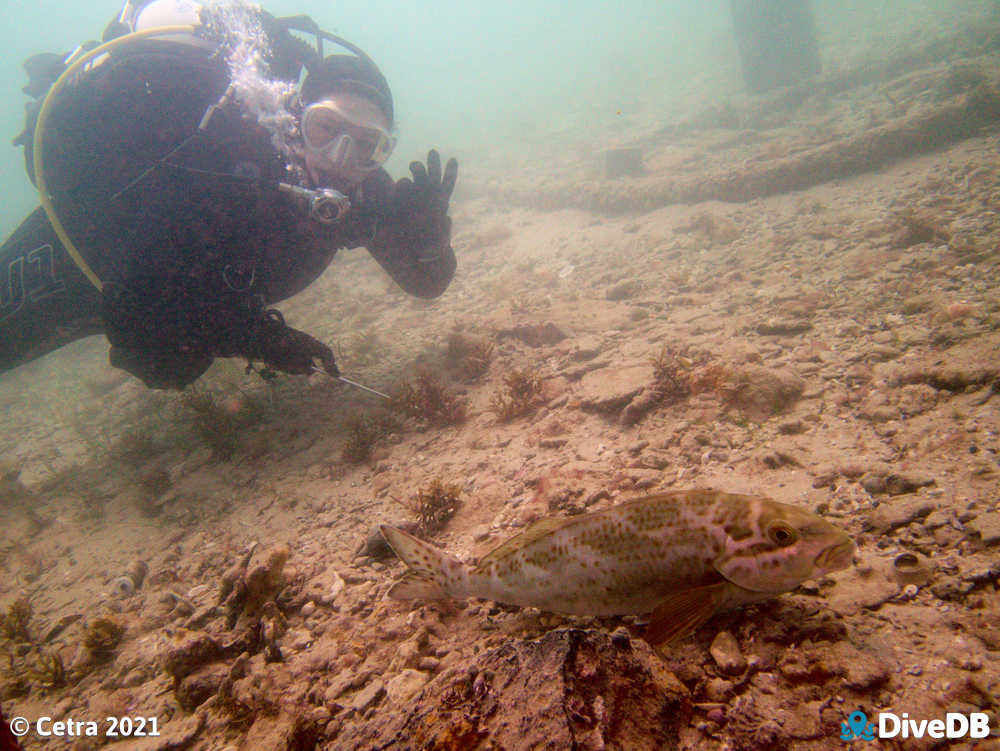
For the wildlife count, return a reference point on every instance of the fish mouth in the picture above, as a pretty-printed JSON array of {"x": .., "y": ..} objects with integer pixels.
[{"x": 836, "y": 556}]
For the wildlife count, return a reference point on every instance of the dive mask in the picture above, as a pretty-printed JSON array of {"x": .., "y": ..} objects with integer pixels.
[{"x": 344, "y": 141}]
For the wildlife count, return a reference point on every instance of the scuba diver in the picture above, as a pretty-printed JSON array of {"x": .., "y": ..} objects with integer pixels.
[{"x": 174, "y": 212}]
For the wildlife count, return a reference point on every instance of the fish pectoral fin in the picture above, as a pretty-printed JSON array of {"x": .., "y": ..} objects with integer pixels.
[
  {"x": 744, "y": 572},
  {"x": 680, "y": 614},
  {"x": 415, "y": 586}
]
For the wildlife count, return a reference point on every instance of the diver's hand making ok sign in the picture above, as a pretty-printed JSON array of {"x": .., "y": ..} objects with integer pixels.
[
  {"x": 429, "y": 183},
  {"x": 419, "y": 213},
  {"x": 413, "y": 240}
]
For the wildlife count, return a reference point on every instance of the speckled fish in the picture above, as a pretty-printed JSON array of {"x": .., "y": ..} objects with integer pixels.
[{"x": 680, "y": 556}]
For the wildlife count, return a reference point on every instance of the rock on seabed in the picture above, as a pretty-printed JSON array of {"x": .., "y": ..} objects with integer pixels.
[{"x": 571, "y": 688}]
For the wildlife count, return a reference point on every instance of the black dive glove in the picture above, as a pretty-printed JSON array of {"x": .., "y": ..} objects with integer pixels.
[
  {"x": 413, "y": 241},
  {"x": 418, "y": 213},
  {"x": 289, "y": 350}
]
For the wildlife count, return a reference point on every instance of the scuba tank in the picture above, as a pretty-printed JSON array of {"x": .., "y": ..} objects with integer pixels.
[{"x": 46, "y": 298}]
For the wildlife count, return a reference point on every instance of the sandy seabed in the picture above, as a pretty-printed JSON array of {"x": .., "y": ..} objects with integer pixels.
[{"x": 834, "y": 348}]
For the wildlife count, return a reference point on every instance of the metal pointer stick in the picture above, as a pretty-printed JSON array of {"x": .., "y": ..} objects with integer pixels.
[{"x": 355, "y": 384}]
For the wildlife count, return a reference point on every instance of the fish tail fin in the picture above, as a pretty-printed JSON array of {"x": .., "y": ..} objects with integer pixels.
[
  {"x": 432, "y": 575},
  {"x": 414, "y": 586}
]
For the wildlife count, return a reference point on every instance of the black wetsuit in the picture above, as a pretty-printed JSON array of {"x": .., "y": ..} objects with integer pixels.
[{"x": 186, "y": 228}]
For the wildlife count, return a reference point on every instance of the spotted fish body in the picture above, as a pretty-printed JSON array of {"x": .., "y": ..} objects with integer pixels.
[{"x": 680, "y": 555}]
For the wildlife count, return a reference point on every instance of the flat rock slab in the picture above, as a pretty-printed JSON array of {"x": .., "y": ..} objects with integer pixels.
[
  {"x": 535, "y": 334},
  {"x": 899, "y": 512},
  {"x": 955, "y": 379},
  {"x": 866, "y": 586},
  {"x": 783, "y": 327},
  {"x": 281, "y": 732},
  {"x": 571, "y": 688},
  {"x": 878, "y": 482},
  {"x": 405, "y": 686},
  {"x": 987, "y": 526},
  {"x": 762, "y": 392},
  {"x": 607, "y": 391}
]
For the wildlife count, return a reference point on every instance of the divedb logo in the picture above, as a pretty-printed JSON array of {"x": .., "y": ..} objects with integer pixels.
[{"x": 892, "y": 725}]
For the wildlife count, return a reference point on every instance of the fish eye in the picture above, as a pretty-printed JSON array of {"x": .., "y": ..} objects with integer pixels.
[{"x": 782, "y": 535}]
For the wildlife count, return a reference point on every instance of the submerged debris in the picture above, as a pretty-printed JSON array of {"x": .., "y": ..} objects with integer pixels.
[{"x": 247, "y": 590}]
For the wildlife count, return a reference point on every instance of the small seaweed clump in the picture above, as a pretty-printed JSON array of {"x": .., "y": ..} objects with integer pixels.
[
  {"x": 156, "y": 482},
  {"x": 11, "y": 488},
  {"x": 518, "y": 397},
  {"x": 426, "y": 398},
  {"x": 49, "y": 669},
  {"x": 14, "y": 681},
  {"x": 468, "y": 355},
  {"x": 364, "y": 431},
  {"x": 679, "y": 374},
  {"x": 676, "y": 376},
  {"x": 152, "y": 485},
  {"x": 134, "y": 448},
  {"x": 434, "y": 505},
  {"x": 672, "y": 375},
  {"x": 101, "y": 637},
  {"x": 14, "y": 624},
  {"x": 9, "y": 472},
  {"x": 218, "y": 427}
]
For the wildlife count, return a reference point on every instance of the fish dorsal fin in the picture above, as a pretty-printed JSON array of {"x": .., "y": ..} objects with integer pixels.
[
  {"x": 681, "y": 613},
  {"x": 536, "y": 531},
  {"x": 546, "y": 526}
]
